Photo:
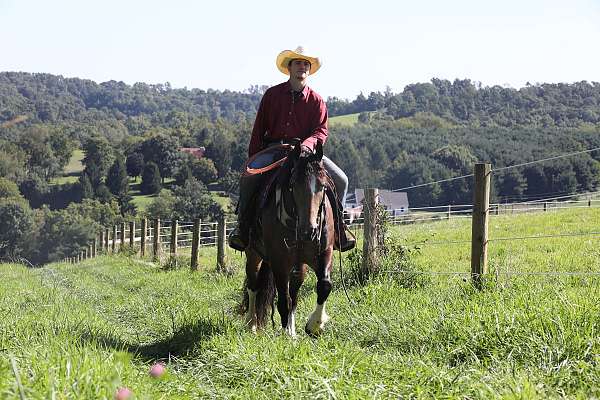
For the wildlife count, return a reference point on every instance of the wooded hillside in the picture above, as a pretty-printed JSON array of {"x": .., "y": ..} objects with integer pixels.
[{"x": 428, "y": 132}]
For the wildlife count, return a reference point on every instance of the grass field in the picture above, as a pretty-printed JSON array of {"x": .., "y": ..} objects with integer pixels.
[
  {"x": 72, "y": 169},
  {"x": 81, "y": 331},
  {"x": 348, "y": 119}
]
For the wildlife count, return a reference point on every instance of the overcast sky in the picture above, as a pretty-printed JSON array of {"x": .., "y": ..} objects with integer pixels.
[{"x": 365, "y": 45}]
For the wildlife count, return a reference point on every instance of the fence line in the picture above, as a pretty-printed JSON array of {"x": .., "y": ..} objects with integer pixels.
[{"x": 150, "y": 235}]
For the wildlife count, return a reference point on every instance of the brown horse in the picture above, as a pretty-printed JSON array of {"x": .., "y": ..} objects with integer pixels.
[{"x": 295, "y": 229}]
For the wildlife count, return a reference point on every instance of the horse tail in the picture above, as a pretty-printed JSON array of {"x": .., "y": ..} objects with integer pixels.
[{"x": 265, "y": 294}]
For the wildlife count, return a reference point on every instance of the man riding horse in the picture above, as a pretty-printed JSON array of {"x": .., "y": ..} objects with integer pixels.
[{"x": 289, "y": 112}]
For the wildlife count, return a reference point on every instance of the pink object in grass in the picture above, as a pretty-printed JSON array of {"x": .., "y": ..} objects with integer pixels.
[
  {"x": 123, "y": 393},
  {"x": 157, "y": 370}
]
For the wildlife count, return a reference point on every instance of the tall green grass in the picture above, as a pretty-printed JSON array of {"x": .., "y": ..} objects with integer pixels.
[{"x": 81, "y": 331}]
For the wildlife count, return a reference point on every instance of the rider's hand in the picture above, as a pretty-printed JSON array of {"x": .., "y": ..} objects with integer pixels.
[{"x": 305, "y": 149}]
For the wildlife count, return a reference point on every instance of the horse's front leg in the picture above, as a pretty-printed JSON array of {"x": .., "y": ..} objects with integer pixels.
[
  {"x": 253, "y": 264},
  {"x": 284, "y": 303},
  {"x": 297, "y": 277},
  {"x": 318, "y": 318}
]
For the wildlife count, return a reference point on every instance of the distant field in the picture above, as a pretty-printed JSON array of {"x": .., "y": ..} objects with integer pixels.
[
  {"x": 75, "y": 165},
  {"x": 72, "y": 169},
  {"x": 348, "y": 119}
]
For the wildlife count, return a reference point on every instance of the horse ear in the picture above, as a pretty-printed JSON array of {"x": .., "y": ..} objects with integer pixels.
[{"x": 319, "y": 151}]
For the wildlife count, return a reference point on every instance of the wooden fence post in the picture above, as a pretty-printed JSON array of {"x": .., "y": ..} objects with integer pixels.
[
  {"x": 156, "y": 240},
  {"x": 195, "y": 245},
  {"x": 114, "y": 239},
  {"x": 131, "y": 234},
  {"x": 106, "y": 231},
  {"x": 369, "y": 260},
  {"x": 221, "y": 239},
  {"x": 174, "y": 234},
  {"x": 144, "y": 234},
  {"x": 589, "y": 202},
  {"x": 545, "y": 206},
  {"x": 122, "y": 236},
  {"x": 449, "y": 210},
  {"x": 479, "y": 232}
]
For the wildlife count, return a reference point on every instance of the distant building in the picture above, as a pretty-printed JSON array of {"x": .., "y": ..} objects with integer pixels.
[
  {"x": 197, "y": 152},
  {"x": 396, "y": 203}
]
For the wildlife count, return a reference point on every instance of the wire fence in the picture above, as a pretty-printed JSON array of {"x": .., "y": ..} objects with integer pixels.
[{"x": 168, "y": 236}]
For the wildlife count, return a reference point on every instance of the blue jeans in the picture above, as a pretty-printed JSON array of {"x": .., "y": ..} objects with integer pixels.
[{"x": 340, "y": 179}]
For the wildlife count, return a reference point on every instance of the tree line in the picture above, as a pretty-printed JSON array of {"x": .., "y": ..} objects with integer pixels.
[{"x": 134, "y": 133}]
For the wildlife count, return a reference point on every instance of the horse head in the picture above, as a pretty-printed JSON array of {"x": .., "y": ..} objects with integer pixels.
[{"x": 307, "y": 182}]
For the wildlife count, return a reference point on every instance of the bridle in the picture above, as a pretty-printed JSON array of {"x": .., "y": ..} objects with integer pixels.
[{"x": 316, "y": 235}]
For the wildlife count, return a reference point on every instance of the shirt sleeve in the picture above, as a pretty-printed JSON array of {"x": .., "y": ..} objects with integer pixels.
[
  {"x": 319, "y": 134},
  {"x": 260, "y": 127}
]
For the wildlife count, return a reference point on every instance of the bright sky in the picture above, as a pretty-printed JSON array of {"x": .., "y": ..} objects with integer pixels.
[{"x": 365, "y": 45}]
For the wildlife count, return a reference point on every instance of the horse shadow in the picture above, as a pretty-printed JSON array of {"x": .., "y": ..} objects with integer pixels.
[{"x": 179, "y": 344}]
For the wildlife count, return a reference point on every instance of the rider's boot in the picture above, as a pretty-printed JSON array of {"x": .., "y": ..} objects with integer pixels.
[
  {"x": 344, "y": 239},
  {"x": 238, "y": 238}
]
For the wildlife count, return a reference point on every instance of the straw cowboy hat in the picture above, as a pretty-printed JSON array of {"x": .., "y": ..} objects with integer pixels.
[{"x": 284, "y": 58}]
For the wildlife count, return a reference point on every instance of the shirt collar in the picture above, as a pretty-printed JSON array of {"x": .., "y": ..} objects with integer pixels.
[{"x": 288, "y": 88}]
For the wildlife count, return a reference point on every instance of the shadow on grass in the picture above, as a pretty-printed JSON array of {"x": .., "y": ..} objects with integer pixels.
[{"x": 179, "y": 344}]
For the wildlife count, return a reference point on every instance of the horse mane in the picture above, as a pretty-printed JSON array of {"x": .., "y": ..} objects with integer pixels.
[{"x": 301, "y": 168}]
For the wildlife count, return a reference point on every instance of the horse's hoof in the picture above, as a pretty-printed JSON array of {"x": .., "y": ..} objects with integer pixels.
[
  {"x": 251, "y": 325},
  {"x": 314, "y": 328},
  {"x": 290, "y": 334}
]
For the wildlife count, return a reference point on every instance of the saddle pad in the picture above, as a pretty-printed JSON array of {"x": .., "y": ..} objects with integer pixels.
[{"x": 267, "y": 159}]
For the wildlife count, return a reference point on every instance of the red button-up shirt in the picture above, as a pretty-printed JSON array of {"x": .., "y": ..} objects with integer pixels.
[{"x": 283, "y": 114}]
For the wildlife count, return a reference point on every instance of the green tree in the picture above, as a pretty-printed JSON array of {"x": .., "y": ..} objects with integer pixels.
[
  {"x": 117, "y": 180},
  {"x": 64, "y": 234},
  {"x": 511, "y": 184},
  {"x": 35, "y": 190},
  {"x": 151, "y": 180},
  {"x": 161, "y": 206},
  {"x": 135, "y": 164},
  {"x": 62, "y": 147},
  {"x": 103, "y": 194},
  {"x": 12, "y": 165},
  {"x": 41, "y": 158},
  {"x": 87, "y": 191},
  {"x": 17, "y": 224},
  {"x": 126, "y": 205},
  {"x": 192, "y": 201},
  {"x": 183, "y": 173},
  {"x": 204, "y": 170},
  {"x": 163, "y": 151},
  {"x": 102, "y": 214},
  {"x": 98, "y": 158},
  {"x": 8, "y": 189},
  {"x": 219, "y": 151}
]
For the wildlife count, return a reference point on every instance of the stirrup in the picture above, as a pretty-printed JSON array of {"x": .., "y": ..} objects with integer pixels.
[{"x": 347, "y": 243}]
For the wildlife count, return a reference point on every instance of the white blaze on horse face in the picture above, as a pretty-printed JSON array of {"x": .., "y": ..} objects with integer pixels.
[
  {"x": 313, "y": 184},
  {"x": 251, "y": 316}
]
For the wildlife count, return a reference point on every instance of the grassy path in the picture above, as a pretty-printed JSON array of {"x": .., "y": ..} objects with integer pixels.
[{"x": 81, "y": 331}]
